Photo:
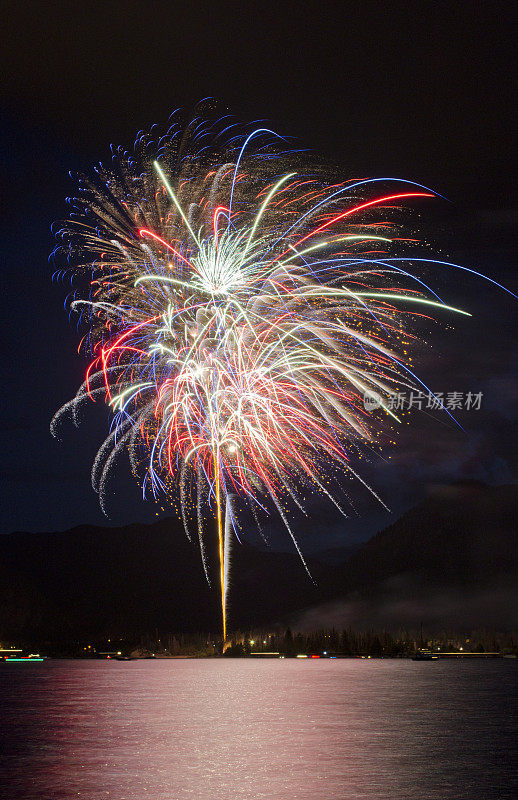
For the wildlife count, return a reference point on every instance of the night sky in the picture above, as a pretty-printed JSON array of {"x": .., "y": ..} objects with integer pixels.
[{"x": 415, "y": 90}]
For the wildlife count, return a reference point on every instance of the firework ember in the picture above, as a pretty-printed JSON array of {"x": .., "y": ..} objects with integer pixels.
[{"x": 239, "y": 311}]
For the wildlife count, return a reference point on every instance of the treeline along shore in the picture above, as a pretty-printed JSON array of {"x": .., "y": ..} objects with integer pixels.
[{"x": 284, "y": 643}]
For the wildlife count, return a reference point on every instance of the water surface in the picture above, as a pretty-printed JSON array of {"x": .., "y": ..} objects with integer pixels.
[{"x": 283, "y": 729}]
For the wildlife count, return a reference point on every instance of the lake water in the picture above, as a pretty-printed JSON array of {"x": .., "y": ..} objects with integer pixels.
[{"x": 281, "y": 729}]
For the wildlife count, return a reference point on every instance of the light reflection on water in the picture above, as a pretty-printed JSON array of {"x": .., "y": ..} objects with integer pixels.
[{"x": 225, "y": 729}]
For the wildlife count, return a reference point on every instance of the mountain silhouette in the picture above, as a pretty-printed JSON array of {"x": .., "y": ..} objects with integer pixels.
[
  {"x": 459, "y": 542},
  {"x": 462, "y": 534},
  {"x": 450, "y": 562}
]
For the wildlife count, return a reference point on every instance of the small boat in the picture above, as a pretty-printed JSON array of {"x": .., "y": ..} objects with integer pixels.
[
  {"x": 31, "y": 657},
  {"x": 425, "y": 655}
]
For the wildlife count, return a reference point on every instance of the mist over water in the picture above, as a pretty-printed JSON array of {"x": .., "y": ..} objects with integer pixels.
[{"x": 281, "y": 729}]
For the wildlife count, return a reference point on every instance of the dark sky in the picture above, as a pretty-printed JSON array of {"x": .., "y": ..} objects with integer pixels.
[{"x": 416, "y": 90}]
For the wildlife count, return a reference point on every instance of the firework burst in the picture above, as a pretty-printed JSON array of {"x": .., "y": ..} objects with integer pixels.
[{"x": 239, "y": 310}]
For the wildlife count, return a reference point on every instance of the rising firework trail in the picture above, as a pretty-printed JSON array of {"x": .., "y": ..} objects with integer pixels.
[{"x": 239, "y": 309}]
